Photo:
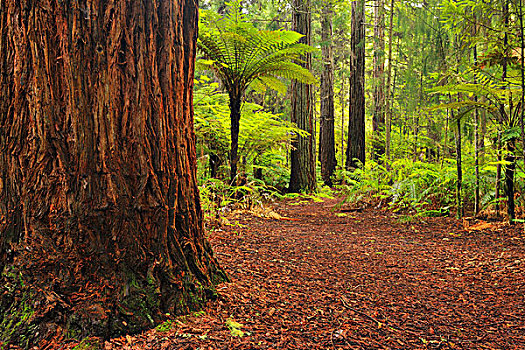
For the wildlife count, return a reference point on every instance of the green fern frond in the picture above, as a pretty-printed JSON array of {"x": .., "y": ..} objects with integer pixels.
[
  {"x": 273, "y": 83},
  {"x": 241, "y": 55}
]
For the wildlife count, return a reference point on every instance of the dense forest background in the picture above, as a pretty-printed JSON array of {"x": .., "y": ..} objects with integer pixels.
[{"x": 443, "y": 91}]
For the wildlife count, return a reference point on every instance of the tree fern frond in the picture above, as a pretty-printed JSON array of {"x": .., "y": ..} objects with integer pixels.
[
  {"x": 272, "y": 83},
  {"x": 290, "y": 70},
  {"x": 240, "y": 54}
]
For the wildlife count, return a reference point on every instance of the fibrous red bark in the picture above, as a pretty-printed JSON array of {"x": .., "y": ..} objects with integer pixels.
[
  {"x": 302, "y": 176},
  {"x": 327, "y": 122},
  {"x": 355, "y": 153},
  {"x": 101, "y": 226}
]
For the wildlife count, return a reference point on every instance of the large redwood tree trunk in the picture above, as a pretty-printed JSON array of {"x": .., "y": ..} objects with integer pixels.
[
  {"x": 302, "y": 157},
  {"x": 100, "y": 222},
  {"x": 327, "y": 120},
  {"x": 355, "y": 152}
]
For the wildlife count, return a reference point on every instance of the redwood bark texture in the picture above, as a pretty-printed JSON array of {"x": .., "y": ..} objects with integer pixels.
[
  {"x": 302, "y": 177},
  {"x": 326, "y": 129},
  {"x": 355, "y": 152},
  {"x": 101, "y": 226}
]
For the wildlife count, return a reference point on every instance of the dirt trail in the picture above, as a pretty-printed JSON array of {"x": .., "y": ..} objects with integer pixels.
[{"x": 357, "y": 280}]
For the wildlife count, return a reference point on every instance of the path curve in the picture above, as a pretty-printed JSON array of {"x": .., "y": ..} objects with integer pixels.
[{"x": 321, "y": 279}]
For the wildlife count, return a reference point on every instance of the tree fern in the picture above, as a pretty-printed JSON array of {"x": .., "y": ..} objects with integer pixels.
[{"x": 242, "y": 56}]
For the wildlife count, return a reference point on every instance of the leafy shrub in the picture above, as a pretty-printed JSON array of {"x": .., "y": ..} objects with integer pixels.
[
  {"x": 264, "y": 138},
  {"x": 416, "y": 186}
]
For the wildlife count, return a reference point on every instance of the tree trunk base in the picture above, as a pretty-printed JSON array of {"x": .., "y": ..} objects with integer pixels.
[{"x": 38, "y": 308}]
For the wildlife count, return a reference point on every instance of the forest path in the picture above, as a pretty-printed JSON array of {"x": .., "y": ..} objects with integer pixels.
[{"x": 321, "y": 279}]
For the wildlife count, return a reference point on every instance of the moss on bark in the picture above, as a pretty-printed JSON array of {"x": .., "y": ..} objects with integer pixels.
[
  {"x": 27, "y": 312},
  {"x": 16, "y": 311}
]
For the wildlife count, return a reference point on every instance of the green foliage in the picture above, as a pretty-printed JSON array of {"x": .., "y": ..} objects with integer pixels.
[
  {"x": 263, "y": 138},
  {"x": 240, "y": 54},
  {"x": 217, "y": 196},
  {"x": 165, "y": 326},
  {"x": 211, "y": 120},
  {"x": 495, "y": 95},
  {"x": 414, "y": 187},
  {"x": 235, "y": 328},
  {"x": 17, "y": 324},
  {"x": 435, "y": 81}
]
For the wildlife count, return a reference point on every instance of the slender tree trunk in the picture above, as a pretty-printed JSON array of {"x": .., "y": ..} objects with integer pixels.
[
  {"x": 355, "y": 152},
  {"x": 327, "y": 131},
  {"x": 476, "y": 143},
  {"x": 343, "y": 107},
  {"x": 378, "y": 120},
  {"x": 415, "y": 125},
  {"x": 498, "y": 169},
  {"x": 302, "y": 177},
  {"x": 445, "y": 146},
  {"x": 522, "y": 73},
  {"x": 476, "y": 162},
  {"x": 510, "y": 169},
  {"x": 483, "y": 125},
  {"x": 416, "y": 117},
  {"x": 215, "y": 162},
  {"x": 459, "y": 182},
  {"x": 389, "y": 96},
  {"x": 235, "y": 118},
  {"x": 102, "y": 232}
]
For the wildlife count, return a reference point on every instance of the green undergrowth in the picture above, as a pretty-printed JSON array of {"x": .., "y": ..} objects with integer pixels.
[
  {"x": 218, "y": 198},
  {"x": 416, "y": 188}
]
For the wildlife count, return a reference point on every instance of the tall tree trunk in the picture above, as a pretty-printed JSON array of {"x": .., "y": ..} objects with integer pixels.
[
  {"x": 416, "y": 116},
  {"x": 522, "y": 75},
  {"x": 355, "y": 152},
  {"x": 445, "y": 143},
  {"x": 510, "y": 168},
  {"x": 302, "y": 177},
  {"x": 415, "y": 125},
  {"x": 499, "y": 139},
  {"x": 459, "y": 182},
  {"x": 476, "y": 141},
  {"x": 378, "y": 120},
  {"x": 498, "y": 168},
  {"x": 389, "y": 95},
  {"x": 476, "y": 162},
  {"x": 235, "y": 118},
  {"x": 342, "y": 100},
  {"x": 327, "y": 132},
  {"x": 102, "y": 232},
  {"x": 483, "y": 132}
]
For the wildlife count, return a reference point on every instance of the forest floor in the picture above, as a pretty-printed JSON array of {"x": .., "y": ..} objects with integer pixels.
[{"x": 318, "y": 277}]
